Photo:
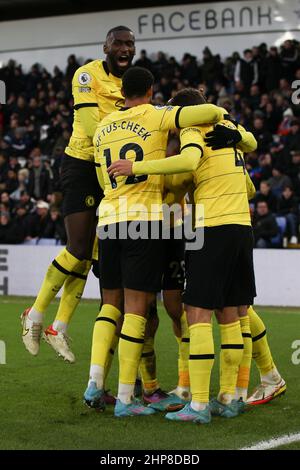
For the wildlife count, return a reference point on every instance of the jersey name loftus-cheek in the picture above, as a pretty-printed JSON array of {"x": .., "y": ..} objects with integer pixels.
[{"x": 124, "y": 125}]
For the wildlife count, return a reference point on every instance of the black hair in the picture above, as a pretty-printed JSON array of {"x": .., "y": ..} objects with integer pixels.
[
  {"x": 188, "y": 97},
  {"x": 136, "y": 82},
  {"x": 118, "y": 28}
]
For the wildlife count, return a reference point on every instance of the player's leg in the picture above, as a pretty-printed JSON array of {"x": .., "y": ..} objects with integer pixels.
[
  {"x": 199, "y": 298},
  {"x": 173, "y": 305},
  {"x": 141, "y": 275},
  {"x": 231, "y": 356},
  {"x": 81, "y": 197},
  {"x": 32, "y": 319},
  {"x": 147, "y": 367},
  {"x": 155, "y": 396},
  {"x": 81, "y": 228},
  {"x": 137, "y": 304},
  {"x": 239, "y": 291},
  {"x": 173, "y": 282},
  {"x": 245, "y": 366},
  {"x": 104, "y": 342},
  {"x": 272, "y": 384},
  {"x": 105, "y": 328},
  {"x": 201, "y": 361}
]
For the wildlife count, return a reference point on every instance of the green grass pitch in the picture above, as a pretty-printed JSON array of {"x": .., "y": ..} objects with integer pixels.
[{"x": 41, "y": 397}]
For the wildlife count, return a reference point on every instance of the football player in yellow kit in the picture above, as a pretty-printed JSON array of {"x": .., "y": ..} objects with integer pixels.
[
  {"x": 96, "y": 89},
  {"x": 226, "y": 278},
  {"x": 211, "y": 175},
  {"x": 131, "y": 267}
]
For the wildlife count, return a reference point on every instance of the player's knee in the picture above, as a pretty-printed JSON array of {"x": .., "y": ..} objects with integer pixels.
[{"x": 79, "y": 250}]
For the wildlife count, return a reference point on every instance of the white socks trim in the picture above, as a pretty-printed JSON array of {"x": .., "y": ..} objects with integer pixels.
[
  {"x": 35, "y": 316},
  {"x": 125, "y": 393},
  {"x": 97, "y": 375}
]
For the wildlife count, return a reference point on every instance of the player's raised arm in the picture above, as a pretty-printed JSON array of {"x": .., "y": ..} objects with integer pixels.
[
  {"x": 85, "y": 101},
  {"x": 199, "y": 114},
  {"x": 172, "y": 117}
]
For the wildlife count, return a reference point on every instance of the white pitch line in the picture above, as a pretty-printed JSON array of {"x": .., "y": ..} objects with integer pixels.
[{"x": 275, "y": 442}]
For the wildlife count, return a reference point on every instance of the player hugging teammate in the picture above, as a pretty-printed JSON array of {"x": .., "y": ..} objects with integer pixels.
[
  {"x": 219, "y": 276},
  {"x": 128, "y": 153}
]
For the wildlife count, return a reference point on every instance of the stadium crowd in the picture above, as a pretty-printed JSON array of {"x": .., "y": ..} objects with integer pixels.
[{"x": 255, "y": 87}]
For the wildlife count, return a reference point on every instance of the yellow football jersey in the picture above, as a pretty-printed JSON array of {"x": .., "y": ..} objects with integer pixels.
[
  {"x": 220, "y": 181},
  {"x": 98, "y": 92},
  {"x": 138, "y": 133}
]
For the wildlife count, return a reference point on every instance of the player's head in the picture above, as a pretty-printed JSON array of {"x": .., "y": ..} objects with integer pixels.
[
  {"x": 188, "y": 97},
  {"x": 137, "y": 82},
  {"x": 119, "y": 48}
]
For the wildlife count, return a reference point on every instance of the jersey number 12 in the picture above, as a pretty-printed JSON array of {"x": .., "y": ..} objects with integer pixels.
[{"x": 139, "y": 155}]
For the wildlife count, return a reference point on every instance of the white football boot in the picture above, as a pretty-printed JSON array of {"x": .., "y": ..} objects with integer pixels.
[
  {"x": 59, "y": 341},
  {"x": 31, "y": 334}
]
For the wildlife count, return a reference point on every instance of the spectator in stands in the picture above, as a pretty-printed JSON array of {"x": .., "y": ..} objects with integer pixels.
[
  {"x": 55, "y": 228},
  {"x": 39, "y": 184},
  {"x": 292, "y": 140},
  {"x": 18, "y": 142},
  {"x": 11, "y": 181},
  {"x": 144, "y": 61},
  {"x": 289, "y": 56},
  {"x": 273, "y": 117},
  {"x": 38, "y": 224},
  {"x": 27, "y": 201},
  {"x": 160, "y": 65},
  {"x": 10, "y": 230},
  {"x": 246, "y": 70},
  {"x": 265, "y": 195},
  {"x": 265, "y": 163},
  {"x": 271, "y": 69},
  {"x": 23, "y": 176},
  {"x": 263, "y": 136},
  {"x": 255, "y": 96},
  {"x": 284, "y": 127},
  {"x": 5, "y": 199},
  {"x": 211, "y": 69},
  {"x": 3, "y": 171},
  {"x": 278, "y": 180},
  {"x": 72, "y": 66},
  {"x": 189, "y": 69},
  {"x": 288, "y": 208},
  {"x": 264, "y": 226},
  {"x": 294, "y": 171}
]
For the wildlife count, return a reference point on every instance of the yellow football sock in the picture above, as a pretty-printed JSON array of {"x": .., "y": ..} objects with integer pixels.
[
  {"x": 244, "y": 369},
  {"x": 72, "y": 292},
  {"x": 148, "y": 366},
  {"x": 184, "y": 351},
  {"x": 103, "y": 335},
  {"x": 201, "y": 360},
  {"x": 260, "y": 352},
  {"x": 110, "y": 357},
  {"x": 232, "y": 348},
  {"x": 130, "y": 347},
  {"x": 57, "y": 273}
]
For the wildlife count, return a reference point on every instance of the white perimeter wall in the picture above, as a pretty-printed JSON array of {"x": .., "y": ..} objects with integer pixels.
[
  {"x": 22, "y": 269},
  {"x": 224, "y": 27}
]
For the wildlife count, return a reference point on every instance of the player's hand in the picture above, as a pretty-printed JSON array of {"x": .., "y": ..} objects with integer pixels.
[
  {"x": 120, "y": 168},
  {"x": 222, "y": 137}
]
